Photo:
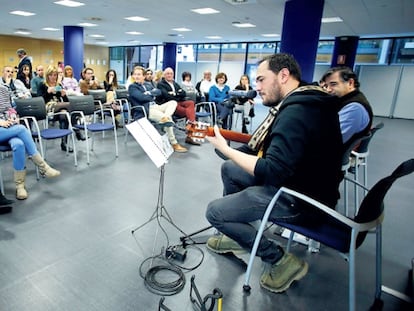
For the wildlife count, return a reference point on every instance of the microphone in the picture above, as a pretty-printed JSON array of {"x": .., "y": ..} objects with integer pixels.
[{"x": 243, "y": 94}]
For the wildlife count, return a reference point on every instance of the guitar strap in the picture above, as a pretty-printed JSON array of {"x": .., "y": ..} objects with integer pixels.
[{"x": 256, "y": 142}]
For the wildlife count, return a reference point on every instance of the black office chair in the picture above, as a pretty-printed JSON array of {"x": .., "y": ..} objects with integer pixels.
[{"x": 337, "y": 231}]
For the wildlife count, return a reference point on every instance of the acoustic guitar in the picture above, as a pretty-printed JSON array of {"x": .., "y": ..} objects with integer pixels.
[{"x": 199, "y": 130}]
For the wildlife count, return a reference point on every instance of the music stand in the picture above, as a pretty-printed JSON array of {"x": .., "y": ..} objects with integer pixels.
[{"x": 158, "y": 149}]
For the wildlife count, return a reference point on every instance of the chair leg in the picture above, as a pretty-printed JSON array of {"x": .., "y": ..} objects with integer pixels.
[{"x": 246, "y": 286}]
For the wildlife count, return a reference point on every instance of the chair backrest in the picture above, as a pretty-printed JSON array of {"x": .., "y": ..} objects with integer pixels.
[
  {"x": 31, "y": 107},
  {"x": 98, "y": 95},
  {"x": 121, "y": 94},
  {"x": 82, "y": 103},
  {"x": 363, "y": 146},
  {"x": 372, "y": 205}
]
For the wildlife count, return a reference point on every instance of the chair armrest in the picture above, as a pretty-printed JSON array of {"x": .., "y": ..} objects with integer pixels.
[
  {"x": 139, "y": 107},
  {"x": 331, "y": 212}
]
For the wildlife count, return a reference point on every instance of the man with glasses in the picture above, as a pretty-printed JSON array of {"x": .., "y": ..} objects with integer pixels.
[
  {"x": 88, "y": 81},
  {"x": 355, "y": 112}
]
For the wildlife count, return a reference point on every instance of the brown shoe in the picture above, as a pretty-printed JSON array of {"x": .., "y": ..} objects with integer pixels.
[
  {"x": 179, "y": 148},
  {"x": 191, "y": 141}
]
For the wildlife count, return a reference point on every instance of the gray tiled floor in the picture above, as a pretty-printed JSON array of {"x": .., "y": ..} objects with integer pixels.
[{"x": 69, "y": 245}]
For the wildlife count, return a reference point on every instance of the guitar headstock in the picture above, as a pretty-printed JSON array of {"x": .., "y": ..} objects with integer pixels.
[{"x": 197, "y": 130}]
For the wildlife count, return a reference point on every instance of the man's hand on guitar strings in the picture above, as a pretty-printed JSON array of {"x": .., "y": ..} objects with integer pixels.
[{"x": 218, "y": 141}]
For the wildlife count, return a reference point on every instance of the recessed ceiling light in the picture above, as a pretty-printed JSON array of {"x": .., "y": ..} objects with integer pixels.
[
  {"x": 332, "y": 19},
  {"x": 102, "y": 42},
  {"x": 134, "y": 33},
  {"x": 97, "y": 36},
  {"x": 87, "y": 25},
  {"x": 136, "y": 18},
  {"x": 50, "y": 29},
  {"x": 270, "y": 35},
  {"x": 243, "y": 25},
  {"x": 22, "y": 13},
  {"x": 205, "y": 11},
  {"x": 20, "y": 32},
  {"x": 181, "y": 29},
  {"x": 213, "y": 37},
  {"x": 69, "y": 3}
]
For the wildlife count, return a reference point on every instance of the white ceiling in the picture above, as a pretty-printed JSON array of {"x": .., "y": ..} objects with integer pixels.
[{"x": 366, "y": 18}]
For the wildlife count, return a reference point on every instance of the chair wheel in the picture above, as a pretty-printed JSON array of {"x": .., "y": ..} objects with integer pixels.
[{"x": 246, "y": 288}]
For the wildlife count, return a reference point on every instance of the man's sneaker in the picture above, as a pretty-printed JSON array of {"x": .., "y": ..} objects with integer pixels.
[
  {"x": 222, "y": 244},
  {"x": 288, "y": 269}
]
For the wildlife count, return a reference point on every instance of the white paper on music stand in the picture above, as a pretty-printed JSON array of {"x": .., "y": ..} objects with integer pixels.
[{"x": 157, "y": 147}]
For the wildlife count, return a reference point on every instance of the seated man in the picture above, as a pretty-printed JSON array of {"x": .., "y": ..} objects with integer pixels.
[
  {"x": 140, "y": 95},
  {"x": 88, "y": 81},
  {"x": 15, "y": 87},
  {"x": 171, "y": 90},
  {"x": 355, "y": 112},
  {"x": 282, "y": 152}
]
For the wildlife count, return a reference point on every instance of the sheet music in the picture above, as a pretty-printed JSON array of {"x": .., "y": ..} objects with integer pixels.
[{"x": 157, "y": 147}]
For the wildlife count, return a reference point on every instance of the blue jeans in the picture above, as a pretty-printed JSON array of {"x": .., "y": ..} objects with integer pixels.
[
  {"x": 244, "y": 202},
  {"x": 21, "y": 142}
]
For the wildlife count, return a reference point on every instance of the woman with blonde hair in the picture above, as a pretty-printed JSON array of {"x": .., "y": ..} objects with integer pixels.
[{"x": 69, "y": 83}]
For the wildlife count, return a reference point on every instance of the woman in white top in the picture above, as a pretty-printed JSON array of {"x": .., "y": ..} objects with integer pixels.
[{"x": 69, "y": 83}]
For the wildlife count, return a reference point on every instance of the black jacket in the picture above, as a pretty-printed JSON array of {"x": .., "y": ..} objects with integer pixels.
[
  {"x": 167, "y": 93},
  {"x": 303, "y": 149}
]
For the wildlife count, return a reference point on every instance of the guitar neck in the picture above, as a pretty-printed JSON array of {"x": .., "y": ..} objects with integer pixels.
[{"x": 231, "y": 135}]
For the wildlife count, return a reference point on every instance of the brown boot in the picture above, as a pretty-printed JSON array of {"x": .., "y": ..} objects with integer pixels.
[
  {"x": 44, "y": 169},
  {"x": 19, "y": 178}
]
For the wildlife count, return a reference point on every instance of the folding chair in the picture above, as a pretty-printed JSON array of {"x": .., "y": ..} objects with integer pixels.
[
  {"x": 339, "y": 232},
  {"x": 83, "y": 107}
]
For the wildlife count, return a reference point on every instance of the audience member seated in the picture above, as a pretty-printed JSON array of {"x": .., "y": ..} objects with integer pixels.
[
  {"x": 54, "y": 94},
  {"x": 246, "y": 103},
  {"x": 149, "y": 78},
  {"x": 15, "y": 87},
  {"x": 88, "y": 81},
  {"x": 69, "y": 82},
  {"x": 111, "y": 85},
  {"x": 188, "y": 87},
  {"x": 203, "y": 86},
  {"x": 60, "y": 75},
  {"x": 21, "y": 142},
  {"x": 26, "y": 76},
  {"x": 355, "y": 112},
  {"x": 218, "y": 94},
  {"x": 171, "y": 90},
  {"x": 142, "y": 94},
  {"x": 158, "y": 76},
  {"x": 37, "y": 80}
]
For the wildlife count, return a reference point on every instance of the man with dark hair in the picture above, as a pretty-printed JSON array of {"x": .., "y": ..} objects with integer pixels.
[
  {"x": 282, "y": 152},
  {"x": 355, "y": 112}
]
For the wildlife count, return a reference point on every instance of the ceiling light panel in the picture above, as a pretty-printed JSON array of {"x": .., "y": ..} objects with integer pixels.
[
  {"x": 205, "y": 11},
  {"x": 22, "y": 13},
  {"x": 136, "y": 18},
  {"x": 69, "y": 3}
]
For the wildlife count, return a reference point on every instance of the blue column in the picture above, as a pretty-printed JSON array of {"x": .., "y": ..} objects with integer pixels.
[
  {"x": 170, "y": 55},
  {"x": 73, "y": 48},
  {"x": 300, "y": 33},
  {"x": 345, "y": 50}
]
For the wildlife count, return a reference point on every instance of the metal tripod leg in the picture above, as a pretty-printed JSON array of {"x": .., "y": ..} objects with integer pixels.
[{"x": 160, "y": 210}]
